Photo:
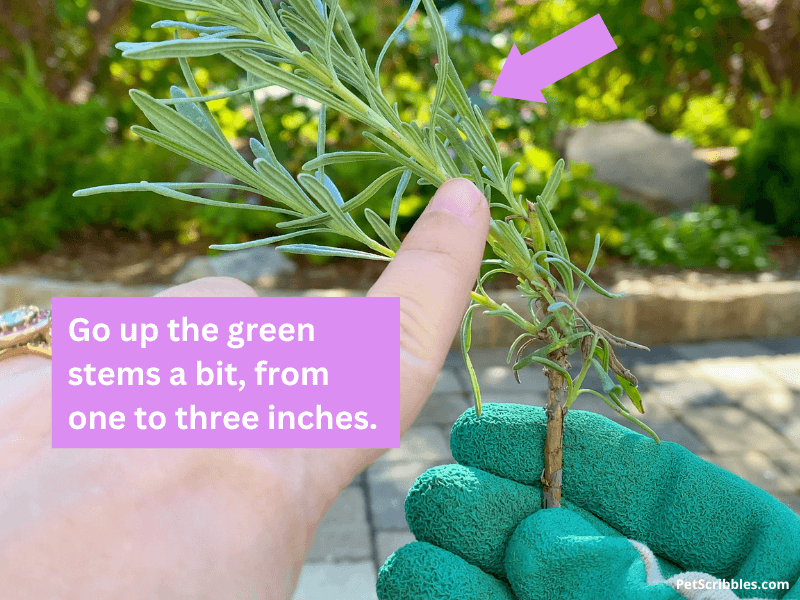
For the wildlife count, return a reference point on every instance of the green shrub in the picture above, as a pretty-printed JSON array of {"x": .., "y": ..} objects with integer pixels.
[
  {"x": 768, "y": 169},
  {"x": 43, "y": 145},
  {"x": 712, "y": 237},
  {"x": 48, "y": 149},
  {"x": 660, "y": 71}
]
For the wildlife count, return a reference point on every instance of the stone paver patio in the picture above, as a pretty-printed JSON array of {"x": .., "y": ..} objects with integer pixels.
[{"x": 736, "y": 404}]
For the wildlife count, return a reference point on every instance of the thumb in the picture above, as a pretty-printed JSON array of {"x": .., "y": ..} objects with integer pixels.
[{"x": 433, "y": 273}]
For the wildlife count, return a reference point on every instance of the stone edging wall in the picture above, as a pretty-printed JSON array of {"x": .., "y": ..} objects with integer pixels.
[{"x": 678, "y": 315}]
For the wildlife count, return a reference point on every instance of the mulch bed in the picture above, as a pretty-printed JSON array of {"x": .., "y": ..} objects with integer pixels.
[{"x": 108, "y": 255}]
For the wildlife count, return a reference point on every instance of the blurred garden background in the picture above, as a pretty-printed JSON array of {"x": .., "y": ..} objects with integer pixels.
[{"x": 715, "y": 80}]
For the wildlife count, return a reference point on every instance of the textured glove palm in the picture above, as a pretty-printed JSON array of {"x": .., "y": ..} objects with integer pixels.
[{"x": 481, "y": 533}]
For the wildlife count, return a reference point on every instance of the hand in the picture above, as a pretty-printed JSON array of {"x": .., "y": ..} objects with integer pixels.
[
  {"x": 481, "y": 533},
  {"x": 211, "y": 523}
]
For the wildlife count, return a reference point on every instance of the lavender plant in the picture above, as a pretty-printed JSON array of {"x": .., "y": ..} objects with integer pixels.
[{"x": 335, "y": 72}]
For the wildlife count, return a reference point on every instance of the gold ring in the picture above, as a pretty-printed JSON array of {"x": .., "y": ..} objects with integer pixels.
[{"x": 25, "y": 330}]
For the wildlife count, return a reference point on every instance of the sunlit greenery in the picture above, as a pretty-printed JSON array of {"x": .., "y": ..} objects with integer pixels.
[{"x": 674, "y": 74}]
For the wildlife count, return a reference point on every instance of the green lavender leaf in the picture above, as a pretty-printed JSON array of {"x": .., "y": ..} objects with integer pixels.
[
  {"x": 308, "y": 11},
  {"x": 335, "y": 158},
  {"x": 373, "y": 188},
  {"x": 544, "y": 351},
  {"x": 510, "y": 176},
  {"x": 329, "y": 36},
  {"x": 588, "y": 280},
  {"x": 442, "y": 52},
  {"x": 190, "y": 152},
  {"x": 184, "y": 99},
  {"x": 383, "y": 230},
  {"x": 466, "y": 329},
  {"x": 321, "y": 133},
  {"x": 320, "y": 219},
  {"x": 624, "y": 413},
  {"x": 512, "y": 242},
  {"x": 177, "y": 127},
  {"x": 408, "y": 163},
  {"x": 458, "y": 95},
  {"x": 331, "y": 187},
  {"x": 187, "y": 48},
  {"x": 398, "y": 197},
  {"x": 169, "y": 192},
  {"x": 547, "y": 276},
  {"x": 445, "y": 160},
  {"x": 181, "y": 4},
  {"x": 343, "y": 65},
  {"x": 193, "y": 27},
  {"x": 305, "y": 31},
  {"x": 413, "y": 132},
  {"x": 136, "y": 187},
  {"x": 595, "y": 251},
  {"x": 283, "y": 188},
  {"x": 191, "y": 111},
  {"x": 614, "y": 390},
  {"x": 290, "y": 81},
  {"x": 481, "y": 152},
  {"x": 566, "y": 276},
  {"x": 558, "y": 306},
  {"x": 265, "y": 241},
  {"x": 454, "y": 137},
  {"x": 602, "y": 352},
  {"x": 632, "y": 392},
  {"x": 193, "y": 87},
  {"x": 395, "y": 33},
  {"x": 488, "y": 136},
  {"x": 357, "y": 54},
  {"x": 514, "y": 345},
  {"x": 549, "y": 223},
  {"x": 329, "y": 251},
  {"x": 466, "y": 343},
  {"x": 473, "y": 381},
  {"x": 549, "y": 192},
  {"x": 484, "y": 278},
  {"x": 327, "y": 202},
  {"x": 263, "y": 152},
  {"x": 507, "y": 312},
  {"x": 546, "y": 362}
]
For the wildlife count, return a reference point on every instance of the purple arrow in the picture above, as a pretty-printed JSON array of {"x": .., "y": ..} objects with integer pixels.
[{"x": 524, "y": 77}]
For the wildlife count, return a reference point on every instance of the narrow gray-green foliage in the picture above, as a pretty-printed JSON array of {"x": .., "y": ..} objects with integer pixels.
[{"x": 334, "y": 71}]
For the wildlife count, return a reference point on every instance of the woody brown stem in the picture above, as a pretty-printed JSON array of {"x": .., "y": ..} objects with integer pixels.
[
  {"x": 553, "y": 445},
  {"x": 555, "y": 411}
]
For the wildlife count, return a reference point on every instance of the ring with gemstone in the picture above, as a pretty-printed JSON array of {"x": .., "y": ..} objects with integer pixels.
[{"x": 25, "y": 330}]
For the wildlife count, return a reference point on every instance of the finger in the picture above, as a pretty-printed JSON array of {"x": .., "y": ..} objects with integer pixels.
[
  {"x": 210, "y": 287},
  {"x": 684, "y": 508},
  {"x": 555, "y": 553},
  {"x": 469, "y": 512},
  {"x": 419, "y": 570},
  {"x": 473, "y": 514},
  {"x": 433, "y": 273}
]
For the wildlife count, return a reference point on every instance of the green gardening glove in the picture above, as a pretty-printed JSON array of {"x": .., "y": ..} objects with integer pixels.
[{"x": 639, "y": 520}]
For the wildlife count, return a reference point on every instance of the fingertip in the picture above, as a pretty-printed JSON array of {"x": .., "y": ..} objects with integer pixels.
[
  {"x": 209, "y": 287},
  {"x": 460, "y": 197},
  {"x": 422, "y": 570}
]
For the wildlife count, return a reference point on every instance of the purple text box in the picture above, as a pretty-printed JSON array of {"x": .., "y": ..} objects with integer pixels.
[{"x": 313, "y": 373}]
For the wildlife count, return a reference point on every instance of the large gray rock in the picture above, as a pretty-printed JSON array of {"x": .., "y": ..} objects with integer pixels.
[
  {"x": 658, "y": 170},
  {"x": 257, "y": 266}
]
